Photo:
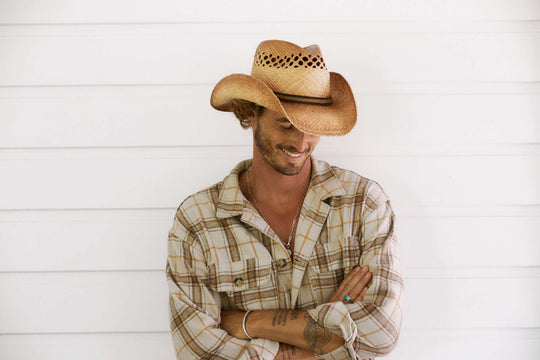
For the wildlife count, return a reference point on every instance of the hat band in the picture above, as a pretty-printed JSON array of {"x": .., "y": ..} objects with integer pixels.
[{"x": 300, "y": 99}]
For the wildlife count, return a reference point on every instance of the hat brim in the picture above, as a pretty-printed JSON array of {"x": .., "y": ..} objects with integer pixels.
[{"x": 335, "y": 119}]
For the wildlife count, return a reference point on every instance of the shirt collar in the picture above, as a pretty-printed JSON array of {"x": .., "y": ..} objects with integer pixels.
[{"x": 324, "y": 185}]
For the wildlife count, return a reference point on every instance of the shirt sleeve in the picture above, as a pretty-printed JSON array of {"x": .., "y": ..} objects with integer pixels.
[
  {"x": 195, "y": 309},
  {"x": 370, "y": 327}
]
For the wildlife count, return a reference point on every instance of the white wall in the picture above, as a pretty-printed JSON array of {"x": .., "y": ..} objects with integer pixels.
[{"x": 105, "y": 126}]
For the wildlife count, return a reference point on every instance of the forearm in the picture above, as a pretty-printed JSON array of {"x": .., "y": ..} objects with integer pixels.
[{"x": 293, "y": 327}]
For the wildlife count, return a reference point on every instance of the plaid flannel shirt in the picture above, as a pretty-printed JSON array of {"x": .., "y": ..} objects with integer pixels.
[{"x": 223, "y": 255}]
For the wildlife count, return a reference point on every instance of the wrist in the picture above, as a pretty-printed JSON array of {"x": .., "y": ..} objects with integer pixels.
[
  {"x": 251, "y": 324},
  {"x": 244, "y": 325}
]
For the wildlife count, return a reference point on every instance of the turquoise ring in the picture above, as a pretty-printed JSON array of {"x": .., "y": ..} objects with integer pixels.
[{"x": 348, "y": 299}]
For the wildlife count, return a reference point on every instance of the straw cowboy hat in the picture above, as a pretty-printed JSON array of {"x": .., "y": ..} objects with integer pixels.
[{"x": 293, "y": 81}]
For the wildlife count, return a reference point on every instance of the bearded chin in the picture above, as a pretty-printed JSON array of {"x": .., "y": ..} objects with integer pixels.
[{"x": 266, "y": 149}]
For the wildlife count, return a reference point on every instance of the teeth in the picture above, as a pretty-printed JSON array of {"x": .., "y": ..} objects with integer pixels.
[{"x": 291, "y": 154}]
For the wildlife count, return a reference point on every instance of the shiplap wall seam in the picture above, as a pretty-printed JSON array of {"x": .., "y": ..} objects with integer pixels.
[
  {"x": 210, "y": 151},
  {"x": 425, "y": 88},
  {"x": 418, "y": 333},
  {"x": 158, "y": 213},
  {"x": 417, "y": 273},
  {"x": 279, "y": 27}
]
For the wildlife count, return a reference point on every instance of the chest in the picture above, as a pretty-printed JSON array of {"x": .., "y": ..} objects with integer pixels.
[
  {"x": 282, "y": 218},
  {"x": 284, "y": 225}
]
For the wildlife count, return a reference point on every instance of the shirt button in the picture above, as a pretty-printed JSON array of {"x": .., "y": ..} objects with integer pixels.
[
  {"x": 238, "y": 281},
  {"x": 281, "y": 263}
]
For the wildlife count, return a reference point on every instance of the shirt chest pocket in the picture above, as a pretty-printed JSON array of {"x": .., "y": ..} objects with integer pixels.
[
  {"x": 336, "y": 258},
  {"x": 248, "y": 284}
]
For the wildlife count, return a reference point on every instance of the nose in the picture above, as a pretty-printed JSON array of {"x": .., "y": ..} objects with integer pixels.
[{"x": 302, "y": 141}]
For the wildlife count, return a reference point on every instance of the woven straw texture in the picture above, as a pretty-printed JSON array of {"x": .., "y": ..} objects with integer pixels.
[{"x": 295, "y": 82}]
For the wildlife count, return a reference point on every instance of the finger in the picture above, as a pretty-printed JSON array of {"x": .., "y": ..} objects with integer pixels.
[
  {"x": 356, "y": 279},
  {"x": 355, "y": 291},
  {"x": 346, "y": 284},
  {"x": 349, "y": 283},
  {"x": 336, "y": 296},
  {"x": 340, "y": 291},
  {"x": 364, "y": 281},
  {"x": 362, "y": 284},
  {"x": 362, "y": 294}
]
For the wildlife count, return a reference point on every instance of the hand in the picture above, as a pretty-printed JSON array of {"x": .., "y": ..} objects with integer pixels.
[
  {"x": 231, "y": 322},
  {"x": 355, "y": 285}
]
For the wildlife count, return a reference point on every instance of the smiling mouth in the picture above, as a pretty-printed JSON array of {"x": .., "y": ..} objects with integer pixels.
[{"x": 293, "y": 154}]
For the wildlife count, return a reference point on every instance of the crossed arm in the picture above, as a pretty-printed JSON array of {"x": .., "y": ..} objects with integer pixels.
[{"x": 299, "y": 335}]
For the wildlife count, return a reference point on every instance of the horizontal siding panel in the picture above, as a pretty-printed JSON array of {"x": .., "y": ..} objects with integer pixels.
[
  {"x": 157, "y": 59},
  {"x": 137, "y": 302},
  {"x": 145, "y": 116},
  {"x": 171, "y": 116},
  {"x": 102, "y": 11},
  {"x": 136, "y": 240},
  {"x": 499, "y": 344},
  {"x": 158, "y": 178},
  {"x": 469, "y": 241},
  {"x": 138, "y": 346},
  {"x": 83, "y": 302},
  {"x": 60, "y": 245},
  {"x": 462, "y": 272},
  {"x": 522, "y": 344}
]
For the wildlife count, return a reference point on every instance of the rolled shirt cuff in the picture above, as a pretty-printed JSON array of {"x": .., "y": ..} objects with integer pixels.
[{"x": 336, "y": 318}]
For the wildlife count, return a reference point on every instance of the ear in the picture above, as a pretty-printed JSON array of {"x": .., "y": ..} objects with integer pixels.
[{"x": 253, "y": 119}]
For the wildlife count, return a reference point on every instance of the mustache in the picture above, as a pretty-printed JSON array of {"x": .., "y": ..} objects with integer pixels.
[{"x": 292, "y": 149}]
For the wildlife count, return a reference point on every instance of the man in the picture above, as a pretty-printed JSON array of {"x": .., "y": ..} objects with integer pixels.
[{"x": 287, "y": 257}]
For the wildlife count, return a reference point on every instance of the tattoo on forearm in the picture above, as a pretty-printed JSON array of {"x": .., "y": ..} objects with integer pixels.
[
  {"x": 293, "y": 315},
  {"x": 280, "y": 317},
  {"x": 315, "y": 335},
  {"x": 288, "y": 351}
]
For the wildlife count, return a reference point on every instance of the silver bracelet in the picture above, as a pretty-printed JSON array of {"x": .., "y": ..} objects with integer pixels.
[{"x": 244, "y": 324}]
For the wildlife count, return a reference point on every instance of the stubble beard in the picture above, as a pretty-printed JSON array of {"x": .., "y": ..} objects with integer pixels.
[{"x": 266, "y": 148}]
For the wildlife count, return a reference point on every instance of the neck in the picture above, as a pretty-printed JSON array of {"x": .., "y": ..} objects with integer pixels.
[{"x": 275, "y": 187}]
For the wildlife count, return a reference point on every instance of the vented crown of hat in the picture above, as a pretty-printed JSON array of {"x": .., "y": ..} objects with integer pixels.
[{"x": 292, "y": 71}]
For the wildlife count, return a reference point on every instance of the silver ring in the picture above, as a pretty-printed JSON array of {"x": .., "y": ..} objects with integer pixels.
[{"x": 348, "y": 299}]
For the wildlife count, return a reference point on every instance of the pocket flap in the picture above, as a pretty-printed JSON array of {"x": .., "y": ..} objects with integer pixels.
[{"x": 239, "y": 275}]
